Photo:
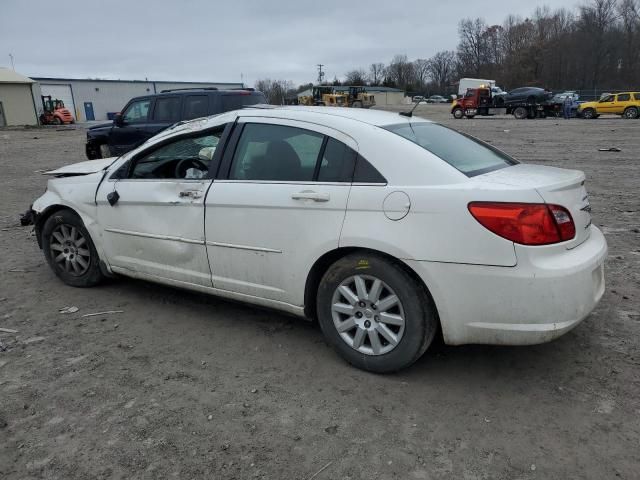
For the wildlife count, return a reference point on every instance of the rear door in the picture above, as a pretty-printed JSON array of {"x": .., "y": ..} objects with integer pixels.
[
  {"x": 278, "y": 205},
  {"x": 623, "y": 100}
]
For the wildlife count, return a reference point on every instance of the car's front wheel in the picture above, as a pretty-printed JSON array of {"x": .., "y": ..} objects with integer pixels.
[
  {"x": 70, "y": 251},
  {"x": 376, "y": 315},
  {"x": 588, "y": 113},
  {"x": 458, "y": 113}
]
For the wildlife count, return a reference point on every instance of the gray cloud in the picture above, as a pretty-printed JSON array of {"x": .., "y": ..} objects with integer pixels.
[{"x": 206, "y": 41}]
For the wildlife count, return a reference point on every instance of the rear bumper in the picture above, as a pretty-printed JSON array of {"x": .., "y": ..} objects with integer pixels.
[{"x": 538, "y": 300}]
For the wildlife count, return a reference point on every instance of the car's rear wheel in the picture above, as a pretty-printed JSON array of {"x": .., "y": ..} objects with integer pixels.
[
  {"x": 70, "y": 251},
  {"x": 630, "y": 112},
  {"x": 588, "y": 113},
  {"x": 520, "y": 113},
  {"x": 357, "y": 104},
  {"x": 57, "y": 121},
  {"x": 458, "y": 113},
  {"x": 374, "y": 313}
]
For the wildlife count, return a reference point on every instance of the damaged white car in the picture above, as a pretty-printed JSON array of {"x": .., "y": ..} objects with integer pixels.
[{"x": 385, "y": 228}]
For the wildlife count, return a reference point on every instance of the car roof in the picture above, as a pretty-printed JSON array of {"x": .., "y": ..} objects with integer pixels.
[
  {"x": 187, "y": 91},
  {"x": 323, "y": 115}
]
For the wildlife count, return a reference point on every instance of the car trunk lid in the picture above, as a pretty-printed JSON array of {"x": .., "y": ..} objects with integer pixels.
[{"x": 555, "y": 185}]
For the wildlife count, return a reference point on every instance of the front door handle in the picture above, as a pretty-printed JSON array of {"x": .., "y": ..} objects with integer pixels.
[
  {"x": 191, "y": 194},
  {"x": 309, "y": 195}
]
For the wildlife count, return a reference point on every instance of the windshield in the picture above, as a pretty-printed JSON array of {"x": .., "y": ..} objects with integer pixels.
[{"x": 466, "y": 154}]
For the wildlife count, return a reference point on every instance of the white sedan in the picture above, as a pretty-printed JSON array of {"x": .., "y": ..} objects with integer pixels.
[{"x": 382, "y": 227}]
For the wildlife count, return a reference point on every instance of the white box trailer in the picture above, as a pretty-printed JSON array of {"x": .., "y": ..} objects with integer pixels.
[{"x": 466, "y": 83}]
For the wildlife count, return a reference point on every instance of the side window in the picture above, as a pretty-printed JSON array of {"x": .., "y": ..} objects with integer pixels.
[
  {"x": 338, "y": 162},
  {"x": 196, "y": 106},
  {"x": 609, "y": 98},
  {"x": 184, "y": 158},
  {"x": 636, "y": 96},
  {"x": 624, "y": 97},
  {"x": 275, "y": 152},
  {"x": 167, "y": 109},
  {"x": 137, "y": 112},
  {"x": 367, "y": 173}
]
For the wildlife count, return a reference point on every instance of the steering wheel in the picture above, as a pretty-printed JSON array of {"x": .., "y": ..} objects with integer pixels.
[{"x": 186, "y": 163}]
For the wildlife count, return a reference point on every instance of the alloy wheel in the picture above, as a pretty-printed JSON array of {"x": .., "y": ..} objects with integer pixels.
[
  {"x": 368, "y": 315},
  {"x": 69, "y": 250}
]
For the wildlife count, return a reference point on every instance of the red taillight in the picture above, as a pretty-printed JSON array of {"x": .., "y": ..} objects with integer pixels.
[{"x": 525, "y": 223}]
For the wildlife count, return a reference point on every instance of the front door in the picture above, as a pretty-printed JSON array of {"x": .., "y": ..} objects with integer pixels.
[
  {"x": 134, "y": 129},
  {"x": 156, "y": 227},
  {"x": 606, "y": 105},
  {"x": 278, "y": 207},
  {"x": 88, "y": 111}
]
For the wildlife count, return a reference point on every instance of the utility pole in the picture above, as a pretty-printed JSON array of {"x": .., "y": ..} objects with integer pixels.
[
  {"x": 13, "y": 67},
  {"x": 320, "y": 73}
]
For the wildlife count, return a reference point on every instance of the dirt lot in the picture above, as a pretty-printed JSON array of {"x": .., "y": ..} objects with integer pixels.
[{"x": 186, "y": 386}]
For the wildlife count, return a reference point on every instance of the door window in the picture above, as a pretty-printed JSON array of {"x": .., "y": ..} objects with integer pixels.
[
  {"x": 609, "y": 98},
  {"x": 624, "y": 97},
  {"x": 338, "y": 162},
  {"x": 137, "y": 112},
  {"x": 186, "y": 158},
  {"x": 276, "y": 152},
  {"x": 196, "y": 106},
  {"x": 167, "y": 109}
]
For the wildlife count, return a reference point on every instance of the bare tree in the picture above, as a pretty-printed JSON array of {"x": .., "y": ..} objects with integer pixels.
[
  {"x": 275, "y": 90},
  {"x": 472, "y": 49},
  {"x": 356, "y": 77},
  {"x": 441, "y": 68},
  {"x": 376, "y": 73},
  {"x": 401, "y": 72},
  {"x": 421, "y": 72}
]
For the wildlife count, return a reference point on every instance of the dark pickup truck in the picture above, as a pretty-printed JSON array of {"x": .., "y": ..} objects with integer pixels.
[{"x": 144, "y": 117}]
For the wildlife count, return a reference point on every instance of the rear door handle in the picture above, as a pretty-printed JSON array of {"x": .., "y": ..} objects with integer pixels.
[
  {"x": 191, "y": 194},
  {"x": 309, "y": 195}
]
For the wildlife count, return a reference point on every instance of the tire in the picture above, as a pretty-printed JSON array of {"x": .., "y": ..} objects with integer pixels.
[
  {"x": 520, "y": 113},
  {"x": 589, "y": 113},
  {"x": 458, "y": 113},
  {"x": 412, "y": 320},
  {"x": 357, "y": 104},
  {"x": 57, "y": 121},
  {"x": 630, "y": 112},
  {"x": 62, "y": 244},
  {"x": 105, "y": 151}
]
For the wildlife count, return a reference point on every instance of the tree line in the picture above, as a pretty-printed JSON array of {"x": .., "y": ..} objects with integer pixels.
[{"x": 594, "y": 46}]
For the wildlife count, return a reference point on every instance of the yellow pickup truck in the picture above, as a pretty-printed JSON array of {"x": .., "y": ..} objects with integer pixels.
[{"x": 626, "y": 104}]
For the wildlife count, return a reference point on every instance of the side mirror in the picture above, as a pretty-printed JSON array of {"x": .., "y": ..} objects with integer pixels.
[{"x": 118, "y": 121}]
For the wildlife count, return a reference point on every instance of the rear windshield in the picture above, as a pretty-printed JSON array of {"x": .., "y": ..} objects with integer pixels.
[
  {"x": 234, "y": 101},
  {"x": 467, "y": 154}
]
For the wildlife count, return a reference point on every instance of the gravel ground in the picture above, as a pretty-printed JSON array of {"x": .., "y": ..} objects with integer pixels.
[{"x": 186, "y": 386}]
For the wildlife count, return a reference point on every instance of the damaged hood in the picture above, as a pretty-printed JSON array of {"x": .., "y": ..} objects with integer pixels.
[{"x": 83, "y": 168}]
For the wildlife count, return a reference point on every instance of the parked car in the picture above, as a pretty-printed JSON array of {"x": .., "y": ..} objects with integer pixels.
[
  {"x": 626, "y": 104},
  {"x": 527, "y": 95},
  {"x": 143, "y": 117},
  {"x": 437, "y": 99},
  {"x": 384, "y": 228},
  {"x": 418, "y": 99},
  {"x": 560, "y": 97}
]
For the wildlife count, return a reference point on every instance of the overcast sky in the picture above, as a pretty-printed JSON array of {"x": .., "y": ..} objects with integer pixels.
[{"x": 224, "y": 41}]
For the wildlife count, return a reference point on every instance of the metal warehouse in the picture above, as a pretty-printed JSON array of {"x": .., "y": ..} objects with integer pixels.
[
  {"x": 96, "y": 99},
  {"x": 17, "y": 99}
]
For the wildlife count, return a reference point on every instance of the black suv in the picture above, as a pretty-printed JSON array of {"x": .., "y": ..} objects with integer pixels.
[{"x": 144, "y": 117}]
